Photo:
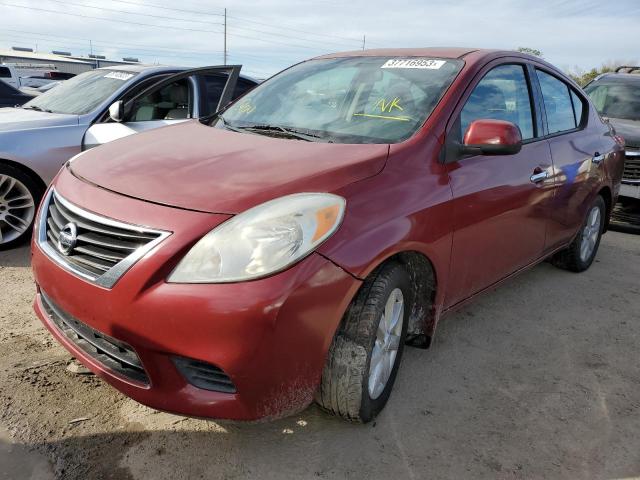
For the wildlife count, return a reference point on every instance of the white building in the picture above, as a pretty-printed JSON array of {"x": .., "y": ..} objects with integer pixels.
[{"x": 62, "y": 61}]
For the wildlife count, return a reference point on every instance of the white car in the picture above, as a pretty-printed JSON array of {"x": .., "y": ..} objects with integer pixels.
[{"x": 91, "y": 109}]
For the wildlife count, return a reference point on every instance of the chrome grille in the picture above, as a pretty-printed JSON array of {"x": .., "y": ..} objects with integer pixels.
[
  {"x": 632, "y": 165},
  {"x": 100, "y": 249}
]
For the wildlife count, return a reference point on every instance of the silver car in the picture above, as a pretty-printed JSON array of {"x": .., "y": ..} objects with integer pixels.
[{"x": 91, "y": 109}]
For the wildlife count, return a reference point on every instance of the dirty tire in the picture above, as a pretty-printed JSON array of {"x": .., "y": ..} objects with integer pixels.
[
  {"x": 344, "y": 388},
  {"x": 569, "y": 258},
  {"x": 35, "y": 190}
]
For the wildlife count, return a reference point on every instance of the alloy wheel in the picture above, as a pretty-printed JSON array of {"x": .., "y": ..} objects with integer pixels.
[
  {"x": 385, "y": 348},
  {"x": 17, "y": 208},
  {"x": 590, "y": 234}
]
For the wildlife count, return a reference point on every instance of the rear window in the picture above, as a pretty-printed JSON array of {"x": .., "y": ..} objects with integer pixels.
[
  {"x": 557, "y": 103},
  {"x": 578, "y": 107}
]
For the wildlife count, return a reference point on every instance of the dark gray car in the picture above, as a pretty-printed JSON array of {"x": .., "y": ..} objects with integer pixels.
[
  {"x": 617, "y": 97},
  {"x": 11, "y": 97},
  {"x": 91, "y": 109}
]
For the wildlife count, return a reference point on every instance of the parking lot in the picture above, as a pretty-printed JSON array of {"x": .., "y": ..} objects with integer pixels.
[{"x": 539, "y": 379}]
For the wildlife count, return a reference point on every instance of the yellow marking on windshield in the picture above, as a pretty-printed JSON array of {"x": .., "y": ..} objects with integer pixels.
[
  {"x": 246, "y": 107},
  {"x": 388, "y": 106},
  {"x": 386, "y": 117}
]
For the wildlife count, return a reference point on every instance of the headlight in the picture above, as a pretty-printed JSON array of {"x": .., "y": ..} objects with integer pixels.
[{"x": 263, "y": 240}]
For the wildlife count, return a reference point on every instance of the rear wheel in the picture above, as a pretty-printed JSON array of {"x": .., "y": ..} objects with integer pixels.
[
  {"x": 579, "y": 255},
  {"x": 364, "y": 357},
  {"x": 19, "y": 197}
]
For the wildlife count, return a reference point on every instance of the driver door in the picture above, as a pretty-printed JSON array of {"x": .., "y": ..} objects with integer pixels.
[
  {"x": 171, "y": 100},
  {"x": 501, "y": 203}
]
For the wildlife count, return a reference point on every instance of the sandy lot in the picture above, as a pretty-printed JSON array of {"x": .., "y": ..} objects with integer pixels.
[{"x": 539, "y": 379}]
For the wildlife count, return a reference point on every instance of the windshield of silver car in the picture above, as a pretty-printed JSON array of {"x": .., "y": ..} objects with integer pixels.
[
  {"x": 81, "y": 94},
  {"x": 344, "y": 100}
]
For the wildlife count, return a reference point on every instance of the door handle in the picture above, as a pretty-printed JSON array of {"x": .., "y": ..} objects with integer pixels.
[
  {"x": 597, "y": 158},
  {"x": 538, "y": 177}
]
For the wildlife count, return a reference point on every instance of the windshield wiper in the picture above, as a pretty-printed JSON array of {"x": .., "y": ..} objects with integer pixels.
[
  {"x": 228, "y": 126},
  {"x": 260, "y": 128},
  {"x": 288, "y": 131}
]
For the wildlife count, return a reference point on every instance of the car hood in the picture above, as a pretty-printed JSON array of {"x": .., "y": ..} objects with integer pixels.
[
  {"x": 628, "y": 129},
  {"x": 197, "y": 167},
  {"x": 22, "y": 119}
]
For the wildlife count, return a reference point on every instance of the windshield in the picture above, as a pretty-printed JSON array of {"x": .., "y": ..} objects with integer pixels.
[
  {"x": 615, "y": 99},
  {"x": 345, "y": 100},
  {"x": 81, "y": 94}
]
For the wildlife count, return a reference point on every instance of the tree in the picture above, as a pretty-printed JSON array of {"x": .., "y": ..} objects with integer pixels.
[
  {"x": 582, "y": 77},
  {"x": 530, "y": 51}
]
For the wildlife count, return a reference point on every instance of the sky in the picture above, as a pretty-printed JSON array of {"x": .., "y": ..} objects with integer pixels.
[{"x": 267, "y": 36}]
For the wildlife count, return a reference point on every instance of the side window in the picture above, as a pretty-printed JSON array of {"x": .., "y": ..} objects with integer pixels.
[
  {"x": 5, "y": 72},
  {"x": 214, "y": 85},
  {"x": 578, "y": 107},
  {"x": 242, "y": 87},
  {"x": 171, "y": 102},
  {"x": 502, "y": 94},
  {"x": 557, "y": 103}
]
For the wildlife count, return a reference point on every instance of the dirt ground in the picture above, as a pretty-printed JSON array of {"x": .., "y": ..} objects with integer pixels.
[{"x": 539, "y": 379}]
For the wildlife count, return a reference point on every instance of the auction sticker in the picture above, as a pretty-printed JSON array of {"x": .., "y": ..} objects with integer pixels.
[
  {"x": 427, "y": 63},
  {"x": 119, "y": 75}
]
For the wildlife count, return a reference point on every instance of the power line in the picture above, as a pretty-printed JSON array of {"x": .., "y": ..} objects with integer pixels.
[
  {"x": 322, "y": 42},
  {"x": 164, "y": 17},
  {"x": 106, "y": 19},
  {"x": 82, "y": 5},
  {"x": 158, "y": 26},
  {"x": 280, "y": 26},
  {"x": 109, "y": 42},
  {"x": 196, "y": 12}
]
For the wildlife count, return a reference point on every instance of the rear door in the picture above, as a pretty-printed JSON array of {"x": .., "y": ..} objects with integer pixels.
[
  {"x": 577, "y": 150},
  {"x": 501, "y": 204},
  {"x": 171, "y": 100}
]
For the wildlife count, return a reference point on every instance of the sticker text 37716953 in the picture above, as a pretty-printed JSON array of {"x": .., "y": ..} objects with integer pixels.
[{"x": 427, "y": 63}]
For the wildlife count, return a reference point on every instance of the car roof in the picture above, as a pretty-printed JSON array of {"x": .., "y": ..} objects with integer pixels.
[
  {"x": 470, "y": 55},
  {"x": 143, "y": 68},
  {"x": 159, "y": 69},
  {"x": 619, "y": 77},
  {"x": 440, "y": 52}
]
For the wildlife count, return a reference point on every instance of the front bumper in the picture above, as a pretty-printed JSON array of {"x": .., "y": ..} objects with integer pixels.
[{"x": 270, "y": 336}]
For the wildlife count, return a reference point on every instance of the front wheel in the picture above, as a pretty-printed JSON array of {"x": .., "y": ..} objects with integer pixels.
[
  {"x": 19, "y": 198},
  {"x": 579, "y": 255},
  {"x": 364, "y": 357}
]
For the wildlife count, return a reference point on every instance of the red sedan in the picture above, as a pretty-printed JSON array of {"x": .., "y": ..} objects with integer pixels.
[{"x": 287, "y": 248}]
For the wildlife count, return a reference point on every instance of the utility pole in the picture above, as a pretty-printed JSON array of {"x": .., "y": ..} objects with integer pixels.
[
  {"x": 95, "y": 62},
  {"x": 364, "y": 41},
  {"x": 225, "y": 36}
]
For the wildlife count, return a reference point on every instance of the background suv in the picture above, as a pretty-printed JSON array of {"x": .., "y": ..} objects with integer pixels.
[{"x": 617, "y": 97}]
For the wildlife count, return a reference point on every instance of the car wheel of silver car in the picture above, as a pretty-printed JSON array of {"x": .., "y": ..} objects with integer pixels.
[
  {"x": 364, "y": 357},
  {"x": 581, "y": 252},
  {"x": 19, "y": 197}
]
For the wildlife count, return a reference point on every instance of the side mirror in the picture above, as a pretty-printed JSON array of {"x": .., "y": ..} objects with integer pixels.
[
  {"x": 491, "y": 137},
  {"x": 116, "y": 111}
]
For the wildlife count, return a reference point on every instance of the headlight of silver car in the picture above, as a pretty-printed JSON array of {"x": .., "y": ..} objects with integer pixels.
[{"x": 263, "y": 240}]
